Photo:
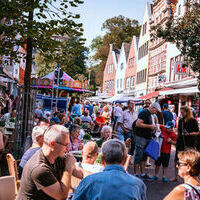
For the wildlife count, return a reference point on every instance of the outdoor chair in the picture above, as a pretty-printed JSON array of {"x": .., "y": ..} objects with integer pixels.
[
  {"x": 12, "y": 167},
  {"x": 7, "y": 188},
  {"x": 75, "y": 181}
]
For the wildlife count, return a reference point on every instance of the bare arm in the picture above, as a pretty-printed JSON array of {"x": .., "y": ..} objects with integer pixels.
[
  {"x": 177, "y": 193},
  {"x": 193, "y": 133},
  {"x": 140, "y": 123},
  {"x": 59, "y": 190},
  {"x": 78, "y": 172},
  {"x": 123, "y": 128}
]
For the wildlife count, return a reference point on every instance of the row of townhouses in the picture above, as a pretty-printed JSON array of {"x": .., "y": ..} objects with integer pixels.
[{"x": 152, "y": 69}]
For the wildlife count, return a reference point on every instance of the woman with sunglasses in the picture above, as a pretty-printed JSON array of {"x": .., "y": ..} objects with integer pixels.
[{"x": 188, "y": 165}]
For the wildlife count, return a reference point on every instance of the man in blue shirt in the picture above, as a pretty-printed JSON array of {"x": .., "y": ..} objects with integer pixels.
[
  {"x": 89, "y": 108},
  {"x": 77, "y": 109},
  {"x": 167, "y": 115},
  {"x": 37, "y": 138},
  {"x": 113, "y": 182}
]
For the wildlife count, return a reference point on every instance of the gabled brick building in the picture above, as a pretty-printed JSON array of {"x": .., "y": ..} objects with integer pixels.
[
  {"x": 121, "y": 68},
  {"x": 110, "y": 72},
  {"x": 131, "y": 68}
]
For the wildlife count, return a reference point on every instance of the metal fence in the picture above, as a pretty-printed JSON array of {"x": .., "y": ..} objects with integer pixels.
[{"x": 20, "y": 133}]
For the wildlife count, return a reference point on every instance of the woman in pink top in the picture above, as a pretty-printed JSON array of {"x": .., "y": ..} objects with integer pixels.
[
  {"x": 188, "y": 165},
  {"x": 75, "y": 143}
]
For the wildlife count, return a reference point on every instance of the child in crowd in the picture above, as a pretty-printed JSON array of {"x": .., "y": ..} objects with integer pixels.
[{"x": 169, "y": 138}]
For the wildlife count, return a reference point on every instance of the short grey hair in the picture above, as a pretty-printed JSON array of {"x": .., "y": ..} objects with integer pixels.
[
  {"x": 54, "y": 133},
  {"x": 114, "y": 151},
  {"x": 73, "y": 128},
  {"x": 38, "y": 131},
  {"x": 106, "y": 127}
]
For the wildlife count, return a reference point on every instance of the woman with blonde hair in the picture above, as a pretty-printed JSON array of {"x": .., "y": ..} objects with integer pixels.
[
  {"x": 188, "y": 165},
  {"x": 187, "y": 131},
  {"x": 106, "y": 114}
]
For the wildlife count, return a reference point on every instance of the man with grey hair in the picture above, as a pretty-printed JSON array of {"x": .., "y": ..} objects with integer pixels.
[
  {"x": 144, "y": 130},
  {"x": 106, "y": 133},
  {"x": 47, "y": 175},
  {"x": 37, "y": 139},
  {"x": 113, "y": 182}
]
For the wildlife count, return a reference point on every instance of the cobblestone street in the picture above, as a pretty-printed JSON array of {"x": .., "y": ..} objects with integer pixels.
[{"x": 157, "y": 190}]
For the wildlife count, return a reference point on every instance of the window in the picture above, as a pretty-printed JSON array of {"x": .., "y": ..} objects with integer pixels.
[
  {"x": 179, "y": 9},
  {"x": 127, "y": 83},
  {"x": 132, "y": 81},
  {"x": 141, "y": 77},
  {"x": 112, "y": 84},
  {"x": 143, "y": 50},
  {"x": 122, "y": 66},
  {"x": 131, "y": 62},
  {"x": 120, "y": 83},
  {"x": 144, "y": 28},
  {"x": 117, "y": 83}
]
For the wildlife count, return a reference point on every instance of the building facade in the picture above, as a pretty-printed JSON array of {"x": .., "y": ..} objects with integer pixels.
[
  {"x": 131, "y": 69},
  {"x": 163, "y": 10},
  {"x": 110, "y": 72},
  {"x": 121, "y": 68},
  {"x": 143, "y": 53}
]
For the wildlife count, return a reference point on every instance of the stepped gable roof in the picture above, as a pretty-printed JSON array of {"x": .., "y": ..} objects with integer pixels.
[{"x": 126, "y": 49}]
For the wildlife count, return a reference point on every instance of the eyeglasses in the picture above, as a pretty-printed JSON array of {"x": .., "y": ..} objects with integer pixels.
[
  {"x": 179, "y": 164},
  {"x": 65, "y": 145}
]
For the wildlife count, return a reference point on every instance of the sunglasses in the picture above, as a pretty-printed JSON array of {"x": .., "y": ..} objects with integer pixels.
[{"x": 178, "y": 163}]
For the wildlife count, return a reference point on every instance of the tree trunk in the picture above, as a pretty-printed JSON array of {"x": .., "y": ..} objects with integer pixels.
[{"x": 27, "y": 78}]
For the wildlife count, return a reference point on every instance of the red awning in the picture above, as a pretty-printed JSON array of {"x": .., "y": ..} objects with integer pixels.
[{"x": 153, "y": 94}]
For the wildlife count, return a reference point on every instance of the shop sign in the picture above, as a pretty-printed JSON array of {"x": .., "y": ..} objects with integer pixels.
[{"x": 179, "y": 69}]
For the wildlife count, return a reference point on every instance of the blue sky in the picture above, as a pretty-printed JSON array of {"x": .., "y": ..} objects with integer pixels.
[{"x": 95, "y": 12}]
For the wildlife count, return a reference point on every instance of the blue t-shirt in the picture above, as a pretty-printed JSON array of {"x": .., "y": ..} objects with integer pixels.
[
  {"x": 112, "y": 183},
  {"x": 86, "y": 119},
  {"x": 77, "y": 109},
  {"x": 27, "y": 155},
  {"x": 89, "y": 108},
  {"x": 168, "y": 116}
]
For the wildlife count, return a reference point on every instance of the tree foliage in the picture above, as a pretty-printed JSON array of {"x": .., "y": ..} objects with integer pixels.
[
  {"x": 184, "y": 32},
  {"x": 117, "y": 29},
  {"x": 71, "y": 56},
  {"x": 49, "y": 17},
  {"x": 34, "y": 23}
]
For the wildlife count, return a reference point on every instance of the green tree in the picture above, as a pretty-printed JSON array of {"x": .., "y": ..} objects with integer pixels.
[
  {"x": 34, "y": 24},
  {"x": 118, "y": 30},
  {"x": 71, "y": 56},
  {"x": 184, "y": 32}
]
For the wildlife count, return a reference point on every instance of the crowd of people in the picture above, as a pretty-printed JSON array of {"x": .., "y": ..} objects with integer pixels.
[{"x": 48, "y": 164}]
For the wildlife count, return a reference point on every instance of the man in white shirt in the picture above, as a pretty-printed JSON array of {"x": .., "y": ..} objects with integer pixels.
[
  {"x": 117, "y": 113},
  {"x": 127, "y": 119}
]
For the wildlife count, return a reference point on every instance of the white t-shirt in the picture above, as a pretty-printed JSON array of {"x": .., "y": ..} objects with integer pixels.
[
  {"x": 118, "y": 111},
  {"x": 91, "y": 168}
]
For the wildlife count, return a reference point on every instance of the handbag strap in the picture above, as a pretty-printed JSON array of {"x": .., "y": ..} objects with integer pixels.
[
  {"x": 197, "y": 192},
  {"x": 182, "y": 132}
]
